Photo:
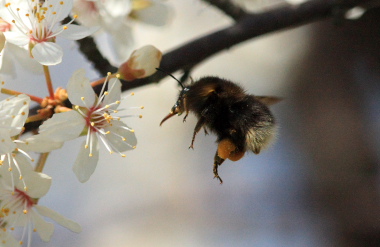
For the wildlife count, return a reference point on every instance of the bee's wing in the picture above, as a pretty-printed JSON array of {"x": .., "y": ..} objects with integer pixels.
[{"x": 268, "y": 100}]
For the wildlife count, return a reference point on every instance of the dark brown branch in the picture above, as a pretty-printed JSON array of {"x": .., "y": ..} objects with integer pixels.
[
  {"x": 229, "y": 8},
  {"x": 189, "y": 55}
]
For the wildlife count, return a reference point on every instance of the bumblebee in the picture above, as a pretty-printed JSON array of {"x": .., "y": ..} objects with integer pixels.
[{"x": 242, "y": 122}]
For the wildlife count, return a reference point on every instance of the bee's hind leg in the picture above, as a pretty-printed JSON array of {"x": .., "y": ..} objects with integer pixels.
[
  {"x": 217, "y": 162},
  {"x": 197, "y": 128}
]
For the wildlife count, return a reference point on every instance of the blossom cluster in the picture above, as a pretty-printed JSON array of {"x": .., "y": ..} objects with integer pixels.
[{"x": 29, "y": 30}]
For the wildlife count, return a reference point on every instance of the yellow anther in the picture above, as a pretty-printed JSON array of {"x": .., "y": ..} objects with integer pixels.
[
  {"x": 90, "y": 155},
  {"x": 25, "y": 211},
  {"x": 75, "y": 16},
  {"x": 10, "y": 169},
  {"x": 134, "y": 147},
  {"x": 82, "y": 98},
  {"x": 92, "y": 124},
  {"x": 85, "y": 146},
  {"x": 133, "y": 131},
  {"x": 142, "y": 107},
  {"x": 61, "y": 2},
  {"x": 132, "y": 94},
  {"x": 111, "y": 152},
  {"x": 108, "y": 132},
  {"x": 117, "y": 102},
  {"x": 20, "y": 177},
  {"x": 106, "y": 93},
  {"x": 124, "y": 139},
  {"x": 123, "y": 155},
  {"x": 109, "y": 73},
  {"x": 117, "y": 76},
  {"x": 140, "y": 116}
]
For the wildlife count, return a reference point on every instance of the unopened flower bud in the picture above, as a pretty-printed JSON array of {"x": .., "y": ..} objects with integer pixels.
[{"x": 142, "y": 63}]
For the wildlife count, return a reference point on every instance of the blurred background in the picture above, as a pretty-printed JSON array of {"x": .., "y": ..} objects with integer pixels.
[{"x": 317, "y": 185}]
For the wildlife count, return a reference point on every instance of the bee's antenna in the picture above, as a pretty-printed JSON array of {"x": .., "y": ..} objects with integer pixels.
[{"x": 179, "y": 82}]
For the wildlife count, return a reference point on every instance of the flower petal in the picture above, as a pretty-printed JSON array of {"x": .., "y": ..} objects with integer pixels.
[
  {"x": 76, "y": 32},
  {"x": 47, "y": 53},
  {"x": 158, "y": 14},
  {"x": 61, "y": 8},
  {"x": 114, "y": 93},
  {"x": 16, "y": 38},
  {"x": 6, "y": 143},
  {"x": 119, "y": 130},
  {"x": 7, "y": 240},
  {"x": 85, "y": 165},
  {"x": 79, "y": 88},
  {"x": 20, "y": 111},
  {"x": 40, "y": 143},
  {"x": 60, "y": 219},
  {"x": 63, "y": 126},
  {"x": 44, "y": 229},
  {"x": 38, "y": 184}
]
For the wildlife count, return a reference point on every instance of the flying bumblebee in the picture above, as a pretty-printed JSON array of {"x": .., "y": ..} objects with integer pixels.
[{"x": 241, "y": 122}]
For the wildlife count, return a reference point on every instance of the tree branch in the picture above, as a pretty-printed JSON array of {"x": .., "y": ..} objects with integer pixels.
[{"x": 229, "y": 8}]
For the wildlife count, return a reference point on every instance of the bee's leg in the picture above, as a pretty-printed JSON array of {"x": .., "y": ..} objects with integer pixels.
[
  {"x": 197, "y": 128},
  {"x": 206, "y": 132},
  {"x": 186, "y": 109},
  {"x": 217, "y": 162}
]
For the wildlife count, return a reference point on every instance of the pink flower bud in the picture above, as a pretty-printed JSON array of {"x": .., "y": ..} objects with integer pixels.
[{"x": 142, "y": 63}]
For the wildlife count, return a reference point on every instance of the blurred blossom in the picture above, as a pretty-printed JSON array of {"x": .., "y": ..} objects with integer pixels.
[
  {"x": 19, "y": 208},
  {"x": 115, "y": 16},
  {"x": 152, "y": 12},
  {"x": 37, "y": 26},
  {"x": 355, "y": 13},
  {"x": 92, "y": 117},
  {"x": 142, "y": 63}
]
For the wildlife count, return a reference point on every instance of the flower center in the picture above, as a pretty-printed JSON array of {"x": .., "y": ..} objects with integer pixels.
[
  {"x": 97, "y": 118},
  {"x": 24, "y": 199}
]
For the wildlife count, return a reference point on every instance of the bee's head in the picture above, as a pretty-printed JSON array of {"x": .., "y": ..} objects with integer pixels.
[{"x": 179, "y": 107}]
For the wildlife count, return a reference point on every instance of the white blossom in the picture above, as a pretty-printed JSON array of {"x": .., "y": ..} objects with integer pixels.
[
  {"x": 19, "y": 208},
  {"x": 38, "y": 24},
  {"x": 93, "y": 117}
]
